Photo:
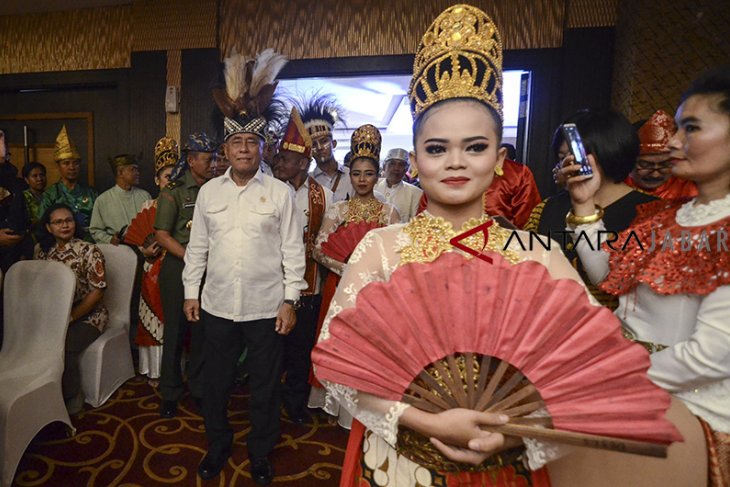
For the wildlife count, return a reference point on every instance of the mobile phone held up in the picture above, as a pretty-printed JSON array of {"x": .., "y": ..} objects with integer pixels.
[{"x": 575, "y": 144}]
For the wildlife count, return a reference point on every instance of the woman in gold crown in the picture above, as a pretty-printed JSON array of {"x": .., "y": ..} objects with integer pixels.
[
  {"x": 456, "y": 102},
  {"x": 151, "y": 320},
  {"x": 344, "y": 224}
]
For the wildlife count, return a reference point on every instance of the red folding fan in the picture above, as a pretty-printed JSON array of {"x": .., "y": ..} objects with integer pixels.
[
  {"x": 341, "y": 243},
  {"x": 141, "y": 227},
  {"x": 500, "y": 338}
]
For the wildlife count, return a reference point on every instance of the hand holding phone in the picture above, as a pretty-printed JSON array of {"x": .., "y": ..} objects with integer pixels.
[{"x": 576, "y": 147}]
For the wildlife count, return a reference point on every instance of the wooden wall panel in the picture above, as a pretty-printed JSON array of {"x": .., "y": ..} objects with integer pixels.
[
  {"x": 661, "y": 47},
  {"x": 147, "y": 110},
  {"x": 199, "y": 113},
  {"x": 591, "y": 13},
  {"x": 174, "y": 78},
  {"x": 332, "y": 28},
  {"x": 95, "y": 38},
  {"x": 104, "y": 93},
  {"x": 161, "y": 25}
]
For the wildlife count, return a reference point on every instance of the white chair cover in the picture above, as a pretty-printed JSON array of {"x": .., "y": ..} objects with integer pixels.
[
  {"x": 38, "y": 298},
  {"x": 106, "y": 364}
]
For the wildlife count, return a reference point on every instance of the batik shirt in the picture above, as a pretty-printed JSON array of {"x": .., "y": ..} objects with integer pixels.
[{"x": 87, "y": 262}]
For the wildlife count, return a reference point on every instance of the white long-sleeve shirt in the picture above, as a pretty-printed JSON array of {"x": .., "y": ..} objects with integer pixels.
[
  {"x": 114, "y": 209},
  {"x": 250, "y": 242},
  {"x": 403, "y": 196},
  {"x": 344, "y": 190},
  {"x": 695, "y": 366}
]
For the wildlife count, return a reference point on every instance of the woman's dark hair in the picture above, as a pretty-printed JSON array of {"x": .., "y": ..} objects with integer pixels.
[
  {"x": 609, "y": 137},
  {"x": 418, "y": 123},
  {"x": 44, "y": 237},
  {"x": 713, "y": 82},
  {"x": 373, "y": 162},
  {"x": 27, "y": 168}
]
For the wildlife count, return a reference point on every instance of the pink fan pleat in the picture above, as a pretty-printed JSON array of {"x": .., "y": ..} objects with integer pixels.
[
  {"x": 591, "y": 379},
  {"x": 342, "y": 242}
]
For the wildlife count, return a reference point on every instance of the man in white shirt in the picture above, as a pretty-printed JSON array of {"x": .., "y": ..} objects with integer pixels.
[
  {"x": 311, "y": 202},
  {"x": 247, "y": 240},
  {"x": 402, "y": 195},
  {"x": 115, "y": 207},
  {"x": 320, "y": 114}
]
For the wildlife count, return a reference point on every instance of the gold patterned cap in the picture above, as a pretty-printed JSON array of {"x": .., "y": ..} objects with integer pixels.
[
  {"x": 166, "y": 153},
  {"x": 122, "y": 160},
  {"x": 64, "y": 148},
  {"x": 365, "y": 142},
  {"x": 460, "y": 56}
]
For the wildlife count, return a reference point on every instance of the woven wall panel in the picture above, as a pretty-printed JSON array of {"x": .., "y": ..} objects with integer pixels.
[
  {"x": 160, "y": 25},
  {"x": 661, "y": 47},
  {"x": 591, "y": 13},
  {"x": 96, "y": 38},
  {"x": 333, "y": 28}
]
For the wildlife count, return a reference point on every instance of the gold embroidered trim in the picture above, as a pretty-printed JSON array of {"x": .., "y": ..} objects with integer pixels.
[
  {"x": 431, "y": 236},
  {"x": 361, "y": 210},
  {"x": 535, "y": 216}
]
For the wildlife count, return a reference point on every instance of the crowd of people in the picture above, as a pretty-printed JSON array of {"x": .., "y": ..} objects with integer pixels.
[{"x": 250, "y": 253}]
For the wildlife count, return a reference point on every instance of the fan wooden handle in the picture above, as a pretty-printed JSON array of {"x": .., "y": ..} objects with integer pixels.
[{"x": 583, "y": 439}]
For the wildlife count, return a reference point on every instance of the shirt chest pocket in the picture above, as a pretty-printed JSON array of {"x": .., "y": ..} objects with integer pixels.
[
  {"x": 262, "y": 220},
  {"x": 217, "y": 217}
]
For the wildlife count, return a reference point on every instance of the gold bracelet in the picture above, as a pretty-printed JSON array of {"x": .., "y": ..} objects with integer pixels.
[{"x": 572, "y": 220}]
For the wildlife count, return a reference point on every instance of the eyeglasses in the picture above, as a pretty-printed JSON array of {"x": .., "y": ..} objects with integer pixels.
[
  {"x": 65, "y": 221},
  {"x": 648, "y": 167}
]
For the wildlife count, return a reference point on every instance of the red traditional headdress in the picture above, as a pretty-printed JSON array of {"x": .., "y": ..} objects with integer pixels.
[
  {"x": 296, "y": 137},
  {"x": 654, "y": 135}
]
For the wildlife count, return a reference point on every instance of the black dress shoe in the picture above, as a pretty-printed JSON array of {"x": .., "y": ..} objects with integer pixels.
[
  {"x": 261, "y": 471},
  {"x": 299, "y": 418},
  {"x": 213, "y": 463},
  {"x": 168, "y": 409}
]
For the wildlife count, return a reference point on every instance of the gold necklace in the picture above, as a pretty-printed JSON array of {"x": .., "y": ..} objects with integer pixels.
[
  {"x": 431, "y": 236},
  {"x": 363, "y": 210}
]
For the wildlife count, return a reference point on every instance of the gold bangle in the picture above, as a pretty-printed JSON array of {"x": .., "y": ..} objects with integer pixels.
[{"x": 572, "y": 220}]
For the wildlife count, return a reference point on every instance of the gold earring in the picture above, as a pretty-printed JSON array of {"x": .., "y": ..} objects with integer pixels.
[{"x": 499, "y": 171}]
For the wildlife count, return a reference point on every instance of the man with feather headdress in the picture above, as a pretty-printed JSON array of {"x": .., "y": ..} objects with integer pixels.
[
  {"x": 246, "y": 239},
  {"x": 320, "y": 114}
]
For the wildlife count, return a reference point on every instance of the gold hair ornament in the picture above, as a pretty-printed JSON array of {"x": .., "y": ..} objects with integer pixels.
[{"x": 460, "y": 56}]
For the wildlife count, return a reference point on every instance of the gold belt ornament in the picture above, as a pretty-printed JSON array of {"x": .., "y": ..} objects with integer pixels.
[{"x": 650, "y": 347}]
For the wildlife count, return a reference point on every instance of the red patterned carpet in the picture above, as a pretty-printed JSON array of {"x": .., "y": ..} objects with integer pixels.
[{"x": 126, "y": 442}]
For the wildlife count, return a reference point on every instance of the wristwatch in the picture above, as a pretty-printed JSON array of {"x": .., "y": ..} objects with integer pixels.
[{"x": 296, "y": 304}]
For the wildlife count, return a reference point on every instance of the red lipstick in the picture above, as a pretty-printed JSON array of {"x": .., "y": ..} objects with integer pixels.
[{"x": 455, "y": 181}]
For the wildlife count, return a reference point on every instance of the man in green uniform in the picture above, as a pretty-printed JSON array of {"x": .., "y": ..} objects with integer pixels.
[
  {"x": 68, "y": 190},
  {"x": 172, "y": 229}
]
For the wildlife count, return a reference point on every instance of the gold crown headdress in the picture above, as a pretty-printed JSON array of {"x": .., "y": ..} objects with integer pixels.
[
  {"x": 460, "y": 56},
  {"x": 247, "y": 101},
  {"x": 365, "y": 142},
  {"x": 65, "y": 149},
  {"x": 166, "y": 153}
]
